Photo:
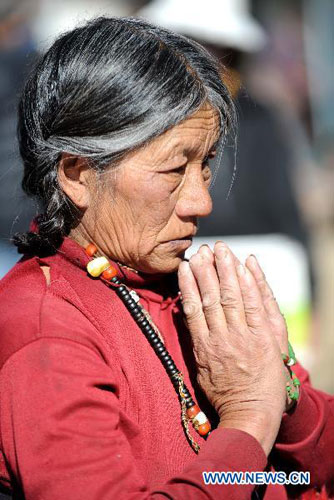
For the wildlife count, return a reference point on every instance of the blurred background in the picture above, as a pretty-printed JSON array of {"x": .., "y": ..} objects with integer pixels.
[{"x": 274, "y": 188}]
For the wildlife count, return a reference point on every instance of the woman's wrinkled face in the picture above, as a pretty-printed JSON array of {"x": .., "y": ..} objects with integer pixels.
[{"x": 158, "y": 194}]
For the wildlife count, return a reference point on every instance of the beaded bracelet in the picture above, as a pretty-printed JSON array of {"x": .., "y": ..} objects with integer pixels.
[{"x": 289, "y": 360}]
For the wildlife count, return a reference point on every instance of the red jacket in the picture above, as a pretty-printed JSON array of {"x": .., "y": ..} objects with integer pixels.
[{"x": 89, "y": 413}]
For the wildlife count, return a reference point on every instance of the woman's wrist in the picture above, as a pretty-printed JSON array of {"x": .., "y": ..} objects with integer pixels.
[{"x": 263, "y": 426}]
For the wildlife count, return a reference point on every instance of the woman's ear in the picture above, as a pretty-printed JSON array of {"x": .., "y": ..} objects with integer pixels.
[{"x": 76, "y": 179}]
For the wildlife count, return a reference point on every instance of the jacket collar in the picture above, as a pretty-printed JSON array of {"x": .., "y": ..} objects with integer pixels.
[{"x": 162, "y": 288}]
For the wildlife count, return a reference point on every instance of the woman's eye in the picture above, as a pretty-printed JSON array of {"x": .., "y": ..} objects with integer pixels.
[
  {"x": 206, "y": 171},
  {"x": 179, "y": 170}
]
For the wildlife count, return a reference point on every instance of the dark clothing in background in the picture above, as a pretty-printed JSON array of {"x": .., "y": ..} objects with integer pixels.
[
  {"x": 16, "y": 210},
  {"x": 262, "y": 200}
]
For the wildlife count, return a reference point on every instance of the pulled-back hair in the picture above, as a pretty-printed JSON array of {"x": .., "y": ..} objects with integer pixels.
[{"x": 101, "y": 91}]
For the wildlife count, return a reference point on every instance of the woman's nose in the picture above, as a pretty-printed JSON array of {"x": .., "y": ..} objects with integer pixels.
[{"x": 194, "y": 198}]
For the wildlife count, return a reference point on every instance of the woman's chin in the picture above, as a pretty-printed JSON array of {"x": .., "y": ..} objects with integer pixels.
[
  {"x": 162, "y": 263},
  {"x": 163, "y": 259},
  {"x": 171, "y": 255},
  {"x": 172, "y": 265}
]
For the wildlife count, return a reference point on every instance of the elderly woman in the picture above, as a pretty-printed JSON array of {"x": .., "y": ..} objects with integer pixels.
[{"x": 107, "y": 390}]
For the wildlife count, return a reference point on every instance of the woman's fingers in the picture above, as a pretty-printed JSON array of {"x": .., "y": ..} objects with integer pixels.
[
  {"x": 207, "y": 281},
  {"x": 230, "y": 294},
  {"x": 273, "y": 312},
  {"x": 240, "y": 372},
  {"x": 191, "y": 302},
  {"x": 219, "y": 294},
  {"x": 255, "y": 313},
  {"x": 268, "y": 298},
  {"x": 207, "y": 252}
]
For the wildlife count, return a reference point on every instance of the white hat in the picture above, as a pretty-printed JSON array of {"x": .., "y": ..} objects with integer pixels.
[
  {"x": 56, "y": 17},
  {"x": 226, "y": 23}
]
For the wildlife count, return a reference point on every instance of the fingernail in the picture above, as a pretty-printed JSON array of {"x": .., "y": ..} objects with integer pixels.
[
  {"x": 205, "y": 249},
  {"x": 241, "y": 270},
  {"x": 252, "y": 261},
  {"x": 222, "y": 251}
]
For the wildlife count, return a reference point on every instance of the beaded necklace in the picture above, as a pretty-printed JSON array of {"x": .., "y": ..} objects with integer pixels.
[{"x": 101, "y": 267}]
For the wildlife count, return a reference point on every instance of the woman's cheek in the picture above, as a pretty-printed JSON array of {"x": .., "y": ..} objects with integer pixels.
[{"x": 159, "y": 195}]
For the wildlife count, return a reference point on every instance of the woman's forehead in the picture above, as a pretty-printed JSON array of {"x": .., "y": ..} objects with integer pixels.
[{"x": 199, "y": 132}]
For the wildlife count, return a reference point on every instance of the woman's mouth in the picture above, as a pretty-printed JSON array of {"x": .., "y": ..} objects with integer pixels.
[{"x": 180, "y": 243}]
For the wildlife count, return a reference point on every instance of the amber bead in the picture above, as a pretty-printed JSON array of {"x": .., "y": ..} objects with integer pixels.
[
  {"x": 91, "y": 250},
  {"x": 200, "y": 419},
  {"x": 192, "y": 411},
  {"x": 109, "y": 273},
  {"x": 204, "y": 429},
  {"x": 96, "y": 266}
]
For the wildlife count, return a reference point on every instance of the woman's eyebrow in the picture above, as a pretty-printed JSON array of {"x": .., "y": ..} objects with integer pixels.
[
  {"x": 173, "y": 161},
  {"x": 175, "y": 150}
]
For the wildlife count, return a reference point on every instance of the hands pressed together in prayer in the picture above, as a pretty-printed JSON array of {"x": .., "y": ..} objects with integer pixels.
[{"x": 238, "y": 335}]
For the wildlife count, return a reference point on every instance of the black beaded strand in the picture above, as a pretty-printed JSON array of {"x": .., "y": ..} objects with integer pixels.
[
  {"x": 153, "y": 338},
  {"x": 100, "y": 267}
]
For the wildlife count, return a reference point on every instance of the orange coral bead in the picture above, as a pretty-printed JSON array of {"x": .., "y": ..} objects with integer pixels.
[
  {"x": 91, "y": 250},
  {"x": 192, "y": 411},
  {"x": 204, "y": 429},
  {"x": 109, "y": 273}
]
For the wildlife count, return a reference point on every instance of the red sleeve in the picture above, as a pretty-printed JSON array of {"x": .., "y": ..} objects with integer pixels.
[
  {"x": 306, "y": 438},
  {"x": 61, "y": 437}
]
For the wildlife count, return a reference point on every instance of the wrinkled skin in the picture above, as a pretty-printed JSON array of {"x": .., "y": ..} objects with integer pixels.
[
  {"x": 238, "y": 335},
  {"x": 155, "y": 197},
  {"x": 145, "y": 217}
]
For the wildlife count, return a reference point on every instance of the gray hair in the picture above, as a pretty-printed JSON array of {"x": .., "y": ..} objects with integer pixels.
[{"x": 101, "y": 91}]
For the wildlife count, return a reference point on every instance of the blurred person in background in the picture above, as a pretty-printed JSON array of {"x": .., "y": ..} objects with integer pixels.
[
  {"x": 17, "y": 54},
  {"x": 296, "y": 75},
  {"x": 284, "y": 75},
  {"x": 262, "y": 199},
  {"x": 254, "y": 196}
]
